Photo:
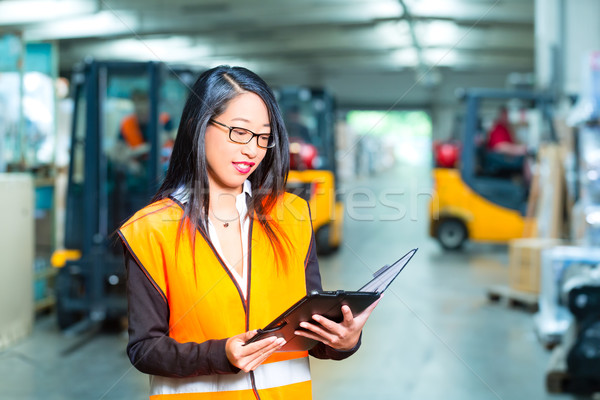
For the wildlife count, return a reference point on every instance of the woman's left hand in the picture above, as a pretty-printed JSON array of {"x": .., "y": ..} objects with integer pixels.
[{"x": 342, "y": 336}]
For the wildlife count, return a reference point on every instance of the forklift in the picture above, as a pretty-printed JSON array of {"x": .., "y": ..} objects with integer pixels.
[
  {"x": 309, "y": 116},
  {"x": 482, "y": 195},
  {"x": 105, "y": 189}
]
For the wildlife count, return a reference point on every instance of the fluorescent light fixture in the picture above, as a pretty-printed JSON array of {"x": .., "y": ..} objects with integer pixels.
[
  {"x": 442, "y": 7},
  {"x": 438, "y": 33},
  {"x": 440, "y": 57},
  {"x": 173, "y": 49},
  {"x": 393, "y": 33},
  {"x": 387, "y": 9},
  {"x": 99, "y": 24},
  {"x": 405, "y": 57},
  {"x": 178, "y": 49},
  {"x": 168, "y": 49},
  {"x": 16, "y": 12}
]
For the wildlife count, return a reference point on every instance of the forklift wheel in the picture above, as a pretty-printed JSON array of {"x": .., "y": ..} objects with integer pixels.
[
  {"x": 67, "y": 286},
  {"x": 451, "y": 233},
  {"x": 323, "y": 243}
]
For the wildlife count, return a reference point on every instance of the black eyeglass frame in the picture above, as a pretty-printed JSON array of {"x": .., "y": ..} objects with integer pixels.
[{"x": 258, "y": 135}]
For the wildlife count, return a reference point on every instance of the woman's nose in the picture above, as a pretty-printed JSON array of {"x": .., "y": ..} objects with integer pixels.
[{"x": 251, "y": 148}]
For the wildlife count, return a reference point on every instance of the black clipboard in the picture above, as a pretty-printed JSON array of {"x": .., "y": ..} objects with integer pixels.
[{"x": 329, "y": 304}]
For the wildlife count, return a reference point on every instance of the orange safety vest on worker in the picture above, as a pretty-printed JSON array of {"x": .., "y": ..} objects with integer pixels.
[
  {"x": 206, "y": 303},
  {"x": 131, "y": 131}
]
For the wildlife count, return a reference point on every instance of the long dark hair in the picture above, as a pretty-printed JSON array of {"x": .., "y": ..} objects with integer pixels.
[{"x": 209, "y": 97}]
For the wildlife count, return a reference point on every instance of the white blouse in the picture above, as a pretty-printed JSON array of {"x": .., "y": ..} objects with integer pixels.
[
  {"x": 242, "y": 208},
  {"x": 240, "y": 204}
]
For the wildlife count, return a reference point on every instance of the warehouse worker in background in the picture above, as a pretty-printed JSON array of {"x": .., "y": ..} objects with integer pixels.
[
  {"x": 505, "y": 157},
  {"x": 129, "y": 157},
  {"x": 133, "y": 143},
  {"x": 501, "y": 137}
]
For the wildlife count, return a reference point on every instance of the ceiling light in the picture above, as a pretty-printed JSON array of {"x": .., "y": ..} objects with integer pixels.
[
  {"x": 394, "y": 33},
  {"x": 406, "y": 57},
  {"x": 387, "y": 9},
  {"x": 166, "y": 49},
  {"x": 13, "y": 12},
  {"x": 173, "y": 49},
  {"x": 440, "y": 7},
  {"x": 440, "y": 57},
  {"x": 437, "y": 33},
  {"x": 99, "y": 24}
]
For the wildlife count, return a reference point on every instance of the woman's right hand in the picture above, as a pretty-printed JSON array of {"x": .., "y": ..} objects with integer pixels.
[{"x": 247, "y": 358}]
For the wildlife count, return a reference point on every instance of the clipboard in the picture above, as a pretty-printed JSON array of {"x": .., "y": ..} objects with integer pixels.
[{"x": 329, "y": 304}]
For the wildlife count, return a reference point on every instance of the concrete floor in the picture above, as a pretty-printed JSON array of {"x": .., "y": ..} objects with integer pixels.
[{"x": 434, "y": 336}]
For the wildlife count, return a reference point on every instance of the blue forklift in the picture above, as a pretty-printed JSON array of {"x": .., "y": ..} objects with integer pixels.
[{"x": 124, "y": 121}]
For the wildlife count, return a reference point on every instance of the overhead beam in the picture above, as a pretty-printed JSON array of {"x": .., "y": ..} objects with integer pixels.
[{"x": 411, "y": 28}]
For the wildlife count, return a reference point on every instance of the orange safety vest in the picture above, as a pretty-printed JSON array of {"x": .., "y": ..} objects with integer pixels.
[
  {"x": 130, "y": 129},
  {"x": 206, "y": 303}
]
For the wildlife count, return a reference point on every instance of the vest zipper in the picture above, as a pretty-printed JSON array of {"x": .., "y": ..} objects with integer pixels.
[
  {"x": 254, "y": 385},
  {"x": 245, "y": 302},
  {"x": 248, "y": 291},
  {"x": 249, "y": 277}
]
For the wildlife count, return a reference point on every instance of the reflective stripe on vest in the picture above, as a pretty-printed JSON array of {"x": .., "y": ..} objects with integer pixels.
[
  {"x": 266, "y": 376},
  {"x": 199, "y": 290}
]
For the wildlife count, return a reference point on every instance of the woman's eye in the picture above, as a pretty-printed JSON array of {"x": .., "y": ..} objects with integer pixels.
[{"x": 241, "y": 132}]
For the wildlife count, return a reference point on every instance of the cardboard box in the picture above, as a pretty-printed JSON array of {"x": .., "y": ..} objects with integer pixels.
[
  {"x": 17, "y": 249},
  {"x": 525, "y": 259},
  {"x": 551, "y": 193}
]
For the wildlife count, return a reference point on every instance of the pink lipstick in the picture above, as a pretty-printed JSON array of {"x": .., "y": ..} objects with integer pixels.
[{"x": 243, "y": 167}]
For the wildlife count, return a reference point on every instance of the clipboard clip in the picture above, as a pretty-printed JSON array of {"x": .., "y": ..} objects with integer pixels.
[
  {"x": 381, "y": 270},
  {"x": 260, "y": 332},
  {"x": 273, "y": 329}
]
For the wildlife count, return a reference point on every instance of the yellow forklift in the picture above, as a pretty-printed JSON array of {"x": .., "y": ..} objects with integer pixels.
[
  {"x": 309, "y": 116},
  {"x": 483, "y": 196},
  {"x": 110, "y": 177}
]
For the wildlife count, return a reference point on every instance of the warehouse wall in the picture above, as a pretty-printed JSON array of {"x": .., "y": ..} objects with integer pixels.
[
  {"x": 376, "y": 92},
  {"x": 561, "y": 44},
  {"x": 579, "y": 42}
]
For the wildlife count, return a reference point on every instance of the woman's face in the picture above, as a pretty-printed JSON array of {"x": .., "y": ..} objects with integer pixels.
[{"x": 230, "y": 163}]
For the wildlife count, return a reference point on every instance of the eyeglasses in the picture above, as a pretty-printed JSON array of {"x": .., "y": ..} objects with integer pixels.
[{"x": 245, "y": 136}]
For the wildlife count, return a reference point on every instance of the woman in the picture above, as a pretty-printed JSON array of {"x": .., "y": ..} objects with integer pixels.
[{"x": 222, "y": 251}]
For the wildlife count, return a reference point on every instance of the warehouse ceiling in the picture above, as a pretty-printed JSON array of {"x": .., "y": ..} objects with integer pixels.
[{"x": 294, "y": 41}]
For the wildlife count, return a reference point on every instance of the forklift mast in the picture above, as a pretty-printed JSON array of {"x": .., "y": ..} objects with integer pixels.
[
  {"x": 312, "y": 111},
  {"x": 109, "y": 179},
  {"x": 309, "y": 116}
]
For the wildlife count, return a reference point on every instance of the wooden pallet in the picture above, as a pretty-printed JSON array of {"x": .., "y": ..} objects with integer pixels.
[
  {"x": 513, "y": 298},
  {"x": 46, "y": 304},
  {"x": 557, "y": 377}
]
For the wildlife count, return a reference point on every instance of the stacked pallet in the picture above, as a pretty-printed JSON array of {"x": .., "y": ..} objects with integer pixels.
[{"x": 543, "y": 229}]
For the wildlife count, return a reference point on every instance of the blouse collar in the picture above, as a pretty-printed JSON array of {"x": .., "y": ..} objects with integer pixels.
[{"x": 182, "y": 193}]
